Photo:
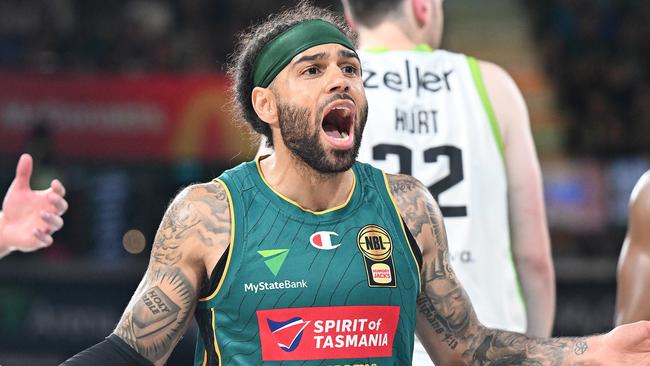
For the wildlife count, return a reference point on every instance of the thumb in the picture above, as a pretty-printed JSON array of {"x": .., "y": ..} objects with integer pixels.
[{"x": 23, "y": 172}]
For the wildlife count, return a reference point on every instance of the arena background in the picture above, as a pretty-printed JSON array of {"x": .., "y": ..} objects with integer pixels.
[{"x": 123, "y": 101}]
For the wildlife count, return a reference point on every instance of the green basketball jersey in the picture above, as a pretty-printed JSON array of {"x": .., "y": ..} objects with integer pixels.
[{"x": 298, "y": 287}]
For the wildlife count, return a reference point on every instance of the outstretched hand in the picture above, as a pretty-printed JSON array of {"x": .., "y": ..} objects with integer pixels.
[
  {"x": 29, "y": 218},
  {"x": 630, "y": 344}
]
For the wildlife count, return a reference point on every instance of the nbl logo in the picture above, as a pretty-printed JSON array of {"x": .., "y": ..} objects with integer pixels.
[
  {"x": 374, "y": 243},
  {"x": 323, "y": 240},
  {"x": 376, "y": 246}
]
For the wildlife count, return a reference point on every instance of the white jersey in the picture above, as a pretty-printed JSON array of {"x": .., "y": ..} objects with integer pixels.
[{"x": 430, "y": 117}]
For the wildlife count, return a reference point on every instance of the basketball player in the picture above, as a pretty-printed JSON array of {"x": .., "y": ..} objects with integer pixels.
[
  {"x": 633, "y": 301},
  {"x": 307, "y": 256},
  {"x": 461, "y": 127},
  {"x": 29, "y": 218}
]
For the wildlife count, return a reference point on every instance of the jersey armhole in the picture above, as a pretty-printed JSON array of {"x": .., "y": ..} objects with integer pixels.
[
  {"x": 218, "y": 273},
  {"x": 211, "y": 284},
  {"x": 487, "y": 104},
  {"x": 415, "y": 250},
  {"x": 412, "y": 243}
]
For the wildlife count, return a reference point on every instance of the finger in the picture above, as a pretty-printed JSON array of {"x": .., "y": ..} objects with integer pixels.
[
  {"x": 54, "y": 221},
  {"x": 44, "y": 239},
  {"x": 59, "y": 203},
  {"x": 58, "y": 188},
  {"x": 23, "y": 172}
]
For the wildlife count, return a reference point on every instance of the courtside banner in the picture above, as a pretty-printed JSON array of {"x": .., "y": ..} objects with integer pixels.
[
  {"x": 323, "y": 333},
  {"x": 121, "y": 116}
]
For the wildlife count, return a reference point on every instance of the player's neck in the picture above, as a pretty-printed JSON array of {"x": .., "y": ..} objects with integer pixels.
[
  {"x": 386, "y": 35},
  {"x": 305, "y": 186}
]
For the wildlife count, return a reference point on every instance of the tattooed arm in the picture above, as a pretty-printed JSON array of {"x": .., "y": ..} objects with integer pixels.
[
  {"x": 192, "y": 236},
  {"x": 449, "y": 329}
]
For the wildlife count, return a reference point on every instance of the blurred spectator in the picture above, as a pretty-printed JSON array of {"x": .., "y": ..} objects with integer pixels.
[
  {"x": 597, "y": 54},
  {"x": 122, "y": 35}
]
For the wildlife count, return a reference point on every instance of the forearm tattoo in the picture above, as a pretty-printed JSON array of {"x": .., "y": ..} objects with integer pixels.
[
  {"x": 159, "y": 314},
  {"x": 165, "y": 299},
  {"x": 445, "y": 306}
]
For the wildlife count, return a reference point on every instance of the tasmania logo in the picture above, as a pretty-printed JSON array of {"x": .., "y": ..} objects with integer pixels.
[
  {"x": 325, "y": 333},
  {"x": 287, "y": 333},
  {"x": 323, "y": 240}
]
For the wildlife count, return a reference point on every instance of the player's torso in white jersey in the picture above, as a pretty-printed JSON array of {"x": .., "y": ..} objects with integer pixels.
[{"x": 430, "y": 117}]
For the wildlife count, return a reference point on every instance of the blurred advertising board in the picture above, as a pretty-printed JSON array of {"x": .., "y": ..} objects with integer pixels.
[
  {"x": 118, "y": 116},
  {"x": 585, "y": 196},
  {"x": 575, "y": 195},
  {"x": 622, "y": 175}
]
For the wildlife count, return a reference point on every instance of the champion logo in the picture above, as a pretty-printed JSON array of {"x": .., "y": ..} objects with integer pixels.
[
  {"x": 288, "y": 333},
  {"x": 323, "y": 240}
]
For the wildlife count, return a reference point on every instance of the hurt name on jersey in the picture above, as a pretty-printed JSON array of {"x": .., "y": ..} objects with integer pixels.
[{"x": 416, "y": 121}]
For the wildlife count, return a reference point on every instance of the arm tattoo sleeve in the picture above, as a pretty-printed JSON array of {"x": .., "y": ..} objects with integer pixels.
[
  {"x": 445, "y": 306},
  {"x": 164, "y": 302}
]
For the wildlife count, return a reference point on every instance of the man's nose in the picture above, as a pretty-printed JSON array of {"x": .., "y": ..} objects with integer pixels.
[{"x": 338, "y": 82}]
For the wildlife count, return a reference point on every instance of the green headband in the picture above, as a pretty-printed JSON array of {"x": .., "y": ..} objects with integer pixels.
[{"x": 282, "y": 49}]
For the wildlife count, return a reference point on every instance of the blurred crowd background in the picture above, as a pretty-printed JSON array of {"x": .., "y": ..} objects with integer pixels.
[{"x": 124, "y": 102}]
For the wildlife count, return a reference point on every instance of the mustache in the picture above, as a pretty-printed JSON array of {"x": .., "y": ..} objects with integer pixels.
[{"x": 340, "y": 96}]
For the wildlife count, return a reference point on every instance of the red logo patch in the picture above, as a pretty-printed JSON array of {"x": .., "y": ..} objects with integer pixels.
[
  {"x": 324, "y": 333},
  {"x": 323, "y": 240}
]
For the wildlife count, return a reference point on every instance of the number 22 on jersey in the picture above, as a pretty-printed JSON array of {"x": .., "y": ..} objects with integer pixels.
[{"x": 431, "y": 155}]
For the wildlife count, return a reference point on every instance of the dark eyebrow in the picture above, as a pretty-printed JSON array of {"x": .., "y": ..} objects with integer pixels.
[
  {"x": 346, "y": 53},
  {"x": 310, "y": 58}
]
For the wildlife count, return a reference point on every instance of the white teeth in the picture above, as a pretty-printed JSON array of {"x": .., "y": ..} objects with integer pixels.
[
  {"x": 344, "y": 134},
  {"x": 346, "y": 111}
]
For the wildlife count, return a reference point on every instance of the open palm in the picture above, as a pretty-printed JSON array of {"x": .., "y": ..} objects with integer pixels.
[
  {"x": 30, "y": 217},
  {"x": 630, "y": 344}
]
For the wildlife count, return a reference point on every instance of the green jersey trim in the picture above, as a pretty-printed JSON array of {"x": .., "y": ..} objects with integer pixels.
[
  {"x": 520, "y": 291},
  {"x": 422, "y": 47},
  {"x": 487, "y": 105},
  {"x": 376, "y": 49},
  {"x": 496, "y": 133},
  {"x": 296, "y": 204},
  {"x": 214, "y": 335}
]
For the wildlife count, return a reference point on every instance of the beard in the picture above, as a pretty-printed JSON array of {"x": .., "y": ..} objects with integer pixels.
[{"x": 303, "y": 139}]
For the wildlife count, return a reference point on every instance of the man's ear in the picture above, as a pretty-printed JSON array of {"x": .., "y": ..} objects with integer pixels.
[
  {"x": 265, "y": 105},
  {"x": 421, "y": 11}
]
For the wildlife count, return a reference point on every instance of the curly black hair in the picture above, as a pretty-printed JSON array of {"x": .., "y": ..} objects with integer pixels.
[{"x": 250, "y": 43}]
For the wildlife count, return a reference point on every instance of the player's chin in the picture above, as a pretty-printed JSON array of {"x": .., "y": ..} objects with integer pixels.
[{"x": 340, "y": 160}]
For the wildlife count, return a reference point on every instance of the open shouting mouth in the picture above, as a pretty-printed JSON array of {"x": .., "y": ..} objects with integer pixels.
[{"x": 338, "y": 122}]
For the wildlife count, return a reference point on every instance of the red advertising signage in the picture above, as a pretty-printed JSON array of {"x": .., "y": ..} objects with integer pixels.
[{"x": 114, "y": 116}]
